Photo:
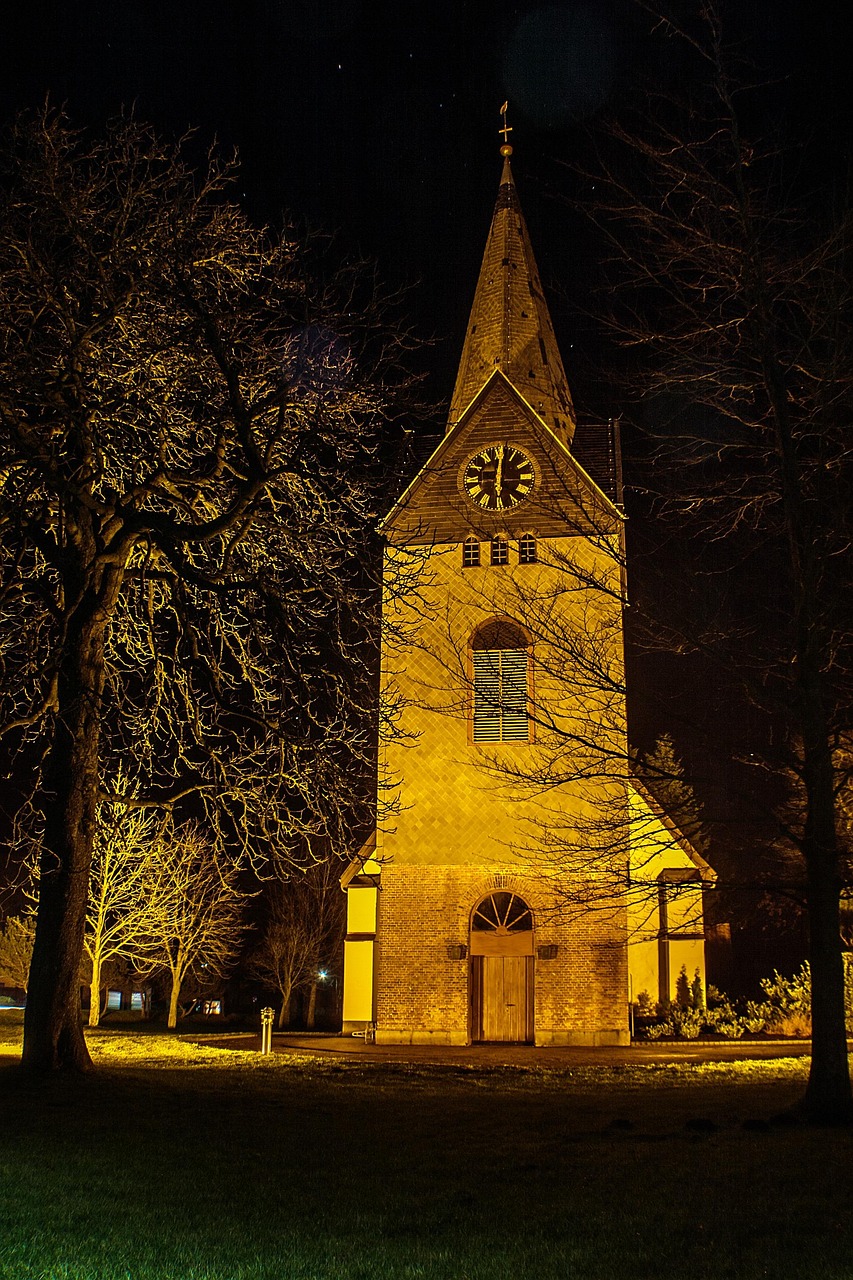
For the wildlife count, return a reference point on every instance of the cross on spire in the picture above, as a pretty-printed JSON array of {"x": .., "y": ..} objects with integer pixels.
[{"x": 506, "y": 149}]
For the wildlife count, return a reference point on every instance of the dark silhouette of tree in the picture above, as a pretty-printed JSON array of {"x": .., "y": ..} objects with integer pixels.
[
  {"x": 188, "y": 423},
  {"x": 662, "y": 771},
  {"x": 735, "y": 305},
  {"x": 302, "y": 931}
]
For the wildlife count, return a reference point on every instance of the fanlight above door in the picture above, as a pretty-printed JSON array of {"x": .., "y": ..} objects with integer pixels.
[{"x": 502, "y": 913}]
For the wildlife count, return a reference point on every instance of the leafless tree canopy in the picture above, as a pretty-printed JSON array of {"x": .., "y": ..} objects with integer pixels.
[
  {"x": 735, "y": 303},
  {"x": 16, "y": 950},
  {"x": 196, "y": 933},
  {"x": 302, "y": 929},
  {"x": 188, "y": 422},
  {"x": 131, "y": 892}
]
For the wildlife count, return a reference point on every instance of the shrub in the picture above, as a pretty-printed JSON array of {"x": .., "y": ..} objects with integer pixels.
[
  {"x": 722, "y": 1017},
  {"x": 785, "y": 1010},
  {"x": 682, "y": 989},
  {"x": 789, "y": 1002},
  {"x": 645, "y": 1005},
  {"x": 697, "y": 996},
  {"x": 684, "y": 1024}
]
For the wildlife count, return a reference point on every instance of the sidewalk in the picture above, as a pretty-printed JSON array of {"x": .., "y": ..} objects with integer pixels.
[{"x": 559, "y": 1058}]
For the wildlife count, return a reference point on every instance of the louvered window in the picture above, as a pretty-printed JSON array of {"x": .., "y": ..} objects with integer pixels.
[{"x": 500, "y": 685}]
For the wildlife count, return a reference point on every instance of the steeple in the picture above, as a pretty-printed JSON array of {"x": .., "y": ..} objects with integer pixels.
[{"x": 510, "y": 328}]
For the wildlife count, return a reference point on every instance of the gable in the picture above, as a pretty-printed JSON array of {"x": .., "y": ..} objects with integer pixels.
[
  {"x": 565, "y": 501},
  {"x": 656, "y": 841}
]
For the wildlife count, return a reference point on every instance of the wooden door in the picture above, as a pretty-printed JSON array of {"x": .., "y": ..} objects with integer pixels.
[{"x": 503, "y": 998}]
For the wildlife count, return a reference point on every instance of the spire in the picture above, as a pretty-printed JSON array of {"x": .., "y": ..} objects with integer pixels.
[{"x": 510, "y": 328}]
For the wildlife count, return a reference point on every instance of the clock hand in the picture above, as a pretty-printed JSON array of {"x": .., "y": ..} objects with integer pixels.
[{"x": 499, "y": 471}]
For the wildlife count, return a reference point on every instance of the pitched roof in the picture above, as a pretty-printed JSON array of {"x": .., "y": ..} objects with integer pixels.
[
  {"x": 429, "y": 509},
  {"x": 706, "y": 871},
  {"x": 510, "y": 327}
]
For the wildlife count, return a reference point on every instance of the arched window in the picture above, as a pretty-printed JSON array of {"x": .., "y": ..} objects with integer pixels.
[
  {"x": 502, "y": 912},
  {"x": 527, "y": 549},
  {"x": 499, "y": 662},
  {"x": 470, "y": 553}
]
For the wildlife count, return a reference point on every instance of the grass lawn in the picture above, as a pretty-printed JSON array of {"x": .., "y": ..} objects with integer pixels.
[{"x": 176, "y": 1162}]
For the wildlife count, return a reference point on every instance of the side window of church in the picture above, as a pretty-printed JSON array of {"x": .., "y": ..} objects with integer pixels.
[
  {"x": 470, "y": 553},
  {"x": 500, "y": 663},
  {"x": 527, "y": 549}
]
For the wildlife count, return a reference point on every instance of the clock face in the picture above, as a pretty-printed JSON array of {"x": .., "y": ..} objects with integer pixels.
[{"x": 498, "y": 477}]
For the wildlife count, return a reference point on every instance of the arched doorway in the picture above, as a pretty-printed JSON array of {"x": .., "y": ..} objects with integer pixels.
[{"x": 501, "y": 949}]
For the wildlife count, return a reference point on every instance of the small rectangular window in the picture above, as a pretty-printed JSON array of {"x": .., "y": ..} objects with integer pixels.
[
  {"x": 470, "y": 553},
  {"x": 500, "y": 551},
  {"x": 527, "y": 549}
]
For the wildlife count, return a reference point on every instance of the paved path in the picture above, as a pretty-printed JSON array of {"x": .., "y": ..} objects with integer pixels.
[{"x": 519, "y": 1055}]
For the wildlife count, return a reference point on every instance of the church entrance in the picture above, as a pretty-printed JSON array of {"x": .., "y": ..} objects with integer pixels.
[{"x": 501, "y": 950}]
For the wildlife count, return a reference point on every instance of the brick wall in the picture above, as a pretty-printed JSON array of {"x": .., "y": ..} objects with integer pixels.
[{"x": 423, "y": 993}]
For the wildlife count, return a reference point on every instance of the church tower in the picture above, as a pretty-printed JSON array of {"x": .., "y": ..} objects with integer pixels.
[{"x": 496, "y": 904}]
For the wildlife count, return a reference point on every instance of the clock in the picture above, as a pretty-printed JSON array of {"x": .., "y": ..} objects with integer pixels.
[{"x": 498, "y": 477}]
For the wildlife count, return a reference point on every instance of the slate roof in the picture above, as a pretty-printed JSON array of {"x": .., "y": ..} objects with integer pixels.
[
  {"x": 597, "y": 447},
  {"x": 510, "y": 332},
  {"x": 565, "y": 498},
  {"x": 510, "y": 327}
]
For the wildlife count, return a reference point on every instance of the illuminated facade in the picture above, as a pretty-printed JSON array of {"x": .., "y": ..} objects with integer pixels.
[{"x": 525, "y": 891}]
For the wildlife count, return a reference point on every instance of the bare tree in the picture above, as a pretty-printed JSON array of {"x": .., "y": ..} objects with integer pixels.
[
  {"x": 786, "y": 896},
  {"x": 328, "y": 911},
  {"x": 302, "y": 930},
  {"x": 187, "y": 425},
  {"x": 16, "y": 950},
  {"x": 736, "y": 306},
  {"x": 285, "y": 955},
  {"x": 131, "y": 892},
  {"x": 197, "y": 932}
]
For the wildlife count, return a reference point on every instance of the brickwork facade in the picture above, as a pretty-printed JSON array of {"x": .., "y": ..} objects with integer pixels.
[
  {"x": 424, "y": 967},
  {"x": 544, "y": 815}
]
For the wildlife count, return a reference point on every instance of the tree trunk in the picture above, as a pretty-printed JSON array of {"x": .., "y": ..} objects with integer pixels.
[
  {"x": 312, "y": 1007},
  {"x": 174, "y": 996},
  {"x": 95, "y": 993},
  {"x": 53, "y": 1032},
  {"x": 284, "y": 1011},
  {"x": 828, "y": 1098}
]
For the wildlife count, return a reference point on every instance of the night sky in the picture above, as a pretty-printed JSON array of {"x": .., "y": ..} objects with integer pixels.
[{"x": 378, "y": 121}]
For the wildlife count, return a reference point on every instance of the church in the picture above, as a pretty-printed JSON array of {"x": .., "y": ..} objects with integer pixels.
[{"x": 526, "y": 888}]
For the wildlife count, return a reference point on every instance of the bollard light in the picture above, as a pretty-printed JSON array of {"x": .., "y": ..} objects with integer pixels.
[{"x": 267, "y": 1016}]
